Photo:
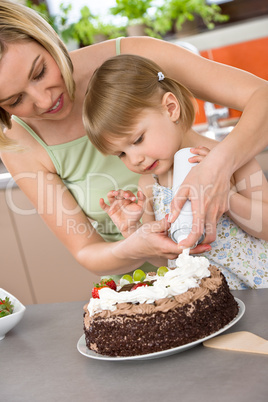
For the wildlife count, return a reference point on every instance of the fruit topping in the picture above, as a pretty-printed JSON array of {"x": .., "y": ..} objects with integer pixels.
[
  {"x": 138, "y": 285},
  {"x": 108, "y": 282},
  {"x": 139, "y": 275},
  {"x": 162, "y": 271},
  {"x": 95, "y": 290},
  {"x": 128, "y": 278},
  {"x": 104, "y": 283}
]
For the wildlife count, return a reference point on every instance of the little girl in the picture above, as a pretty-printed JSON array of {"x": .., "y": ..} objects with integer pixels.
[{"x": 134, "y": 110}]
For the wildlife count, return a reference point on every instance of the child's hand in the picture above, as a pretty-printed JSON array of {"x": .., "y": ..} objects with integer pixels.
[
  {"x": 125, "y": 210},
  {"x": 200, "y": 153}
]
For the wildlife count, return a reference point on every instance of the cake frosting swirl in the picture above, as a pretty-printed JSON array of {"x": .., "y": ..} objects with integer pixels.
[{"x": 188, "y": 274}]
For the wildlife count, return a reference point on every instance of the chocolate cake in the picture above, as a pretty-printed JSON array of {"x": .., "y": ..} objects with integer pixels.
[{"x": 186, "y": 304}]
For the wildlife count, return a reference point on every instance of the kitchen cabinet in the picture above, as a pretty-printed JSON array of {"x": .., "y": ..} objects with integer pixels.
[
  {"x": 13, "y": 272},
  {"x": 35, "y": 266}
]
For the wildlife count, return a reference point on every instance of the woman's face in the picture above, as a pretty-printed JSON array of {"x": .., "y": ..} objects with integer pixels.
[{"x": 31, "y": 84}]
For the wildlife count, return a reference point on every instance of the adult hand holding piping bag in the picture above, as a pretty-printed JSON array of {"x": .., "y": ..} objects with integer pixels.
[{"x": 208, "y": 201}]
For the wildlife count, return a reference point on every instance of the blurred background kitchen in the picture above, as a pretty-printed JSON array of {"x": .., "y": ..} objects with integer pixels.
[{"x": 34, "y": 265}]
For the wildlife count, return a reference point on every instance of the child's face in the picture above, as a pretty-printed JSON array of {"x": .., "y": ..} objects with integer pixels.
[{"x": 151, "y": 147}]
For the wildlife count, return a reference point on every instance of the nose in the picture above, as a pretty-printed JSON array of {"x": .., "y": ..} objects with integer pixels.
[
  {"x": 135, "y": 158},
  {"x": 41, "y": 98}
]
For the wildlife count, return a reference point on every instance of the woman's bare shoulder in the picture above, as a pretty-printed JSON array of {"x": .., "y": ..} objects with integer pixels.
[{"x": 29, "y": 155}]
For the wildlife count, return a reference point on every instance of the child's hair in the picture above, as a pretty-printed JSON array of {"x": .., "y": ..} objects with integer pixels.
[
  {"x": 19, "y": 23},
  {"x": 120, "y": 89}
]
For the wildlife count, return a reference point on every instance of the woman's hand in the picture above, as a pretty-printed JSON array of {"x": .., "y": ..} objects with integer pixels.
[
  {"x": 125, "y": 210},
  {"x": 150, "y": 241},
  {"x": 207, "y": 187},
  {"x": 200, "y": 153}
]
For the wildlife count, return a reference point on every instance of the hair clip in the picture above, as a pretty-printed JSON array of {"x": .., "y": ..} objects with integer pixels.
[{"x": 160, "y": 76}]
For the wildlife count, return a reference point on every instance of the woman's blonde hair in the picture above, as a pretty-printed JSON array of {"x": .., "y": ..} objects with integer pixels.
[
  {"x": 120, "y": 89},
  {"x": 20, "y": 23}
]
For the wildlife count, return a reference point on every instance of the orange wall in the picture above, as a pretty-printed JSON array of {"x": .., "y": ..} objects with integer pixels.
[{"x": 251, "y": 56}]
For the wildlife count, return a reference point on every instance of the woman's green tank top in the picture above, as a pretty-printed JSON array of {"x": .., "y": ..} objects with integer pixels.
[{"x": 89, "y": 176}]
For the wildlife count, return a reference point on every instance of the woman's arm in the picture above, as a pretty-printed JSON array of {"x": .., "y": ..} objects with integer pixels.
[
  {"x": 60, "y": 211},
  {"x": 248, "y": 195},
  {"x": 223, "y": 85}
]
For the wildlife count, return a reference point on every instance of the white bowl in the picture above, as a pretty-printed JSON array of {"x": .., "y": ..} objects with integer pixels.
[{"x": 9, "y": 322}]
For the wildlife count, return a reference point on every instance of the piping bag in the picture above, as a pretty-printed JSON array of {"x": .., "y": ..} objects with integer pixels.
[{"x": 181, "y": 228}]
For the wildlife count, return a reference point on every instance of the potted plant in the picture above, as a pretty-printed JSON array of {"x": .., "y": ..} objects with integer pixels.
[
  {"x": 42, "y": 9},
  {"x": 83, "y": 30},
  {"x": 179, "y": 12},
  {"x": 136, "y": 13},
  {"x": 104, "y": 31},
  {"x": 90, "y": 29},
  {"x": 80, "y": 31},
  {"x": 87, "y": 30}
]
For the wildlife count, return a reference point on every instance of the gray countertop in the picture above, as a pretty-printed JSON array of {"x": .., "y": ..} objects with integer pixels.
[{"x": 39, "y": 361}]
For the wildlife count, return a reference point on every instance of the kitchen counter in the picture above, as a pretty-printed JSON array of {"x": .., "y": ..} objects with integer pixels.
[{"x": 39, "y": 361}]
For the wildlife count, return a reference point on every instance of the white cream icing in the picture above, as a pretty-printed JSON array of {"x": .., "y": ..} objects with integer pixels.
[{"x": 188, "y": 273}]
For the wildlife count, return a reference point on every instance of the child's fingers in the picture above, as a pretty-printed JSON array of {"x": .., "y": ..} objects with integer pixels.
[
  {"x": 121, "y": 195},
  {"x": 196, "y": 159},
  {"x": 129, "y": 195},
  {"x": 103, "y": 205},
  {"x": 141, "y": 195},
  {"x": 111, "y": 196},
  {"x": 202, "y": 151},
  {"x": 199, "y": 154},
  {"x": 141, "y": 199}
]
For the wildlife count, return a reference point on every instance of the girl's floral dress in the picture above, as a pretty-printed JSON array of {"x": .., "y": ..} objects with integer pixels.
[{"x": 242, "y": 258}]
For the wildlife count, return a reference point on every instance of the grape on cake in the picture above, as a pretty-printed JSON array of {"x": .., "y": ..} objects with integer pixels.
[{"x": 164, "y": 310}]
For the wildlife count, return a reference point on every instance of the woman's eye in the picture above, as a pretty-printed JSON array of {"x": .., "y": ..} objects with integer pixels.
[
  {"x": 17, "y": 101},
  {"x": 41, "y": 74},
  {"x": 139, "y": 140}
]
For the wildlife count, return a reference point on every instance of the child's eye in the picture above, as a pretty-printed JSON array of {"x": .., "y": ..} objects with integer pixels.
[
  {"x": 139, "y": 140},
  {"x": 42, "y": 73}
]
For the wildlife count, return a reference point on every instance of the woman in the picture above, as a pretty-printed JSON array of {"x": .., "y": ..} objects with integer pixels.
[{"x": 46, "y": 150}]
